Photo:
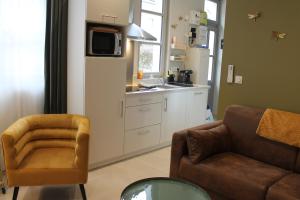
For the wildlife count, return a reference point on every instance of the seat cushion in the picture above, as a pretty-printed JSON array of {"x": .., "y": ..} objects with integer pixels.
[
  {"x": 287, "y": 188},
  {"x": 49, "y": 158},
  {"x": 47, "y": 166},
  {"x": 232, "y": 175}
]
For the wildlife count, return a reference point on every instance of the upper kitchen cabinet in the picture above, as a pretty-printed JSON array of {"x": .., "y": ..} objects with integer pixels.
[{"x": 108, "y": 11}]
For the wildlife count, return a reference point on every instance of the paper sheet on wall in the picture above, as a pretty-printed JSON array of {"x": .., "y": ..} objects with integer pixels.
[{"x": 202, "y": 35}]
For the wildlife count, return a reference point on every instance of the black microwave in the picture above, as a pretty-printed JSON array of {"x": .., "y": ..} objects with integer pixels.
[{"x": 104, "y": 41}]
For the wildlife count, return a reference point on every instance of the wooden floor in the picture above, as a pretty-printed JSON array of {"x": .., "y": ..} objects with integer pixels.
[{"x": 106, "y": 183}]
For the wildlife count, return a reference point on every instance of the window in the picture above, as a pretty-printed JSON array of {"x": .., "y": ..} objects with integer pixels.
[
  {"x": 211, "y": 7},
  {"x": 152, "y": 21},
  {"x": 21, "y": 59},
  {"x": 212, "y": 52}
]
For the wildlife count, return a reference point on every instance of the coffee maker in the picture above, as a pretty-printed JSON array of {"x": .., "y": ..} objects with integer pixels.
[{"x": 185, "y": 77}]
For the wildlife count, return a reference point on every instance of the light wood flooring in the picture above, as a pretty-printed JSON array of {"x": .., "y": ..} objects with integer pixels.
[{"x": 105, "y": 183}]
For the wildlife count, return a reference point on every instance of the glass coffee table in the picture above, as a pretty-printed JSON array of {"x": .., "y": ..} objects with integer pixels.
[{"x": 163, "y": 189}]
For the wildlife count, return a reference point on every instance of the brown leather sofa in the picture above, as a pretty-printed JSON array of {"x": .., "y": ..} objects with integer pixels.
[{"x": 235, "y": 163}]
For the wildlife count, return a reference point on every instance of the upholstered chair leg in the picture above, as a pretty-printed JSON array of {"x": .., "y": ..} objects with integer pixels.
[
  {"x": 15, "y": 195},
  {"x": 82, "y": 191}
]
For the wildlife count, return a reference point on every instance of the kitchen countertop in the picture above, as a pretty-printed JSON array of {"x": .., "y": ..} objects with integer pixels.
[{"x": 168, "y": 89}]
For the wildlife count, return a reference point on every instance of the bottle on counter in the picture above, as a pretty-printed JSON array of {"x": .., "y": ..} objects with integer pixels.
[{"x": 140, "y": 74}]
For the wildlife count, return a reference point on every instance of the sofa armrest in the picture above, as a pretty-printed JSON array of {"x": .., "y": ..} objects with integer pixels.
[
  {"x": 9, "y": 151},
  {"x": 82, "y": 142},
  {"x": 179, "y": 146},
  {"x": 9, "y": 138}
]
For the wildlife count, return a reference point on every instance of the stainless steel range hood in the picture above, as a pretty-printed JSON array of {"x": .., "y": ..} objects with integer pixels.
[{"x": 135, "y": 32}]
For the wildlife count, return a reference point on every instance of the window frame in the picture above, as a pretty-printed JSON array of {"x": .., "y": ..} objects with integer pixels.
[
  {"x": 162, "y": 43},
  {"x": 214, "y": 26}
]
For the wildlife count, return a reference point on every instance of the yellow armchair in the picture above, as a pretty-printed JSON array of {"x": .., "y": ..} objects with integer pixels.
[{"x": 47, "y": 150}]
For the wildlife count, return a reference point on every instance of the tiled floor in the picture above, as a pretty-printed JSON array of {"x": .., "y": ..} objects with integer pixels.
[{"x": 106, "y": 183}]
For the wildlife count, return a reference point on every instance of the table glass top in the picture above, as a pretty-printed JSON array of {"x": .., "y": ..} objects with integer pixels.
[{"x": 163, "y": 189}]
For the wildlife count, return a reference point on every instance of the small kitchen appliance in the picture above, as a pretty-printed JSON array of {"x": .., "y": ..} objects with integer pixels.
[
  {"x": 185, "y": 77},
  {"x": 104, "y": 41}
]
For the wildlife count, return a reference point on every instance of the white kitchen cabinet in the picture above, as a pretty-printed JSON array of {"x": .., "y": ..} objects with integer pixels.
[
  {"x": 141, "y": 138},
  {"x": 173, "y": 114},
  {"x": 196, "y": 107},
  {"x": 141, "y": 116},
  {"x": 142, "y": 121},
  {"x": 105, "y": 80},
  {"x": 143, "y": 99},
  {"x": 108, "y": 11}
]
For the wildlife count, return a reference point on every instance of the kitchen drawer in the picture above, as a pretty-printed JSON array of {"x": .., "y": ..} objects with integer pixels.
[
  {"x": 141, "y": 116},
  {"x": 143, "y": 99},
  {"x": 139, "y": 139}
]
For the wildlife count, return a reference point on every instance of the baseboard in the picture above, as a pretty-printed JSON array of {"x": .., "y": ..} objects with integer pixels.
[{"x": 98, "y": 165}]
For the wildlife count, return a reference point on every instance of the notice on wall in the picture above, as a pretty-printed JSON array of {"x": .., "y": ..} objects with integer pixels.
[{"x": 202, "y": 35}]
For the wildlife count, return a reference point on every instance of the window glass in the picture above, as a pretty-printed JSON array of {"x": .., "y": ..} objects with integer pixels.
[
  {"x": 211, "y": 9},
  {"x": 149, "y": 58},
  {"x": 211, "y": 42},
  {"x": 210, "y": 66},
  {"x": 152, "y": 5},
  {"x": 152, "y": 24}
]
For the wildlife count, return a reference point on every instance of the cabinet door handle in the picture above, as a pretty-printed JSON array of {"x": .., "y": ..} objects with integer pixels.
[
  {"x": 144, "y": 109},
  {"x": 122, "y": 109},
  {"x": 198, "y": 93},
  {"x": 144, "y": 132},
  {"x": 166, "y": 104},
  {"x": 109, "y": 16}
]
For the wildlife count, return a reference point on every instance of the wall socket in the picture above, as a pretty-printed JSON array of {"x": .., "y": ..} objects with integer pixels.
[{"x": 238, "y": 79}]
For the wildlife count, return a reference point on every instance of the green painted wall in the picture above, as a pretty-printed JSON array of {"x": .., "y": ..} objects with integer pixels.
[{"x": 270, "y": 69}]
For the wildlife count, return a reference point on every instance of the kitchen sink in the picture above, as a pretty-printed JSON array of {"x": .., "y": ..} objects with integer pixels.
[{"x": 167, "y": 86}]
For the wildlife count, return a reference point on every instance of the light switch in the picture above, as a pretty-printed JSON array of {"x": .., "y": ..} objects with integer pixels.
[
  {"x": 238, "y": 80},
  {"x": 230, "y": 73}
]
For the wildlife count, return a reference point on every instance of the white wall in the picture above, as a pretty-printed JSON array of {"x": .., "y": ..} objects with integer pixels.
[
  {"x": 76, "y": 53},
  {"x": 180, "y": 8}
]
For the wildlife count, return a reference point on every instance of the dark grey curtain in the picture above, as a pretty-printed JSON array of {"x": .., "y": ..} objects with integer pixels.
[{"x": 56, "y": 57}]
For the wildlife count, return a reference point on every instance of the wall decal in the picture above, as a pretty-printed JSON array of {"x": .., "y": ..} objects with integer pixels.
[
  {"x": 174, "y": 26},
  {"x": 278, "y": 35},
  {"x": 254, "y": 16}
]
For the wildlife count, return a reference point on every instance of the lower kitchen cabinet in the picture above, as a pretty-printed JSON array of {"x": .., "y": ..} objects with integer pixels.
[
  {"x": 126, "y": 125},
  {"x": 196, "y": 107},
  {"x": 142, "y": 122},
  {"x": 173, "y": 114},
  {"x": 142, "y": 116},
  {"x": 141, "y": 138}
]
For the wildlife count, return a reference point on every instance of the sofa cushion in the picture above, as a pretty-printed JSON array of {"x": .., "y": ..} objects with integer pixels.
[
  {"x": 48, "y": 165},
  {"x": 47, "y": 158},
  {"x": 242, "y": 123},
  {"x": 287, "y": 188},
  {"x": 204, "y": 143},
  {"x": 232, "y": 175}
]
